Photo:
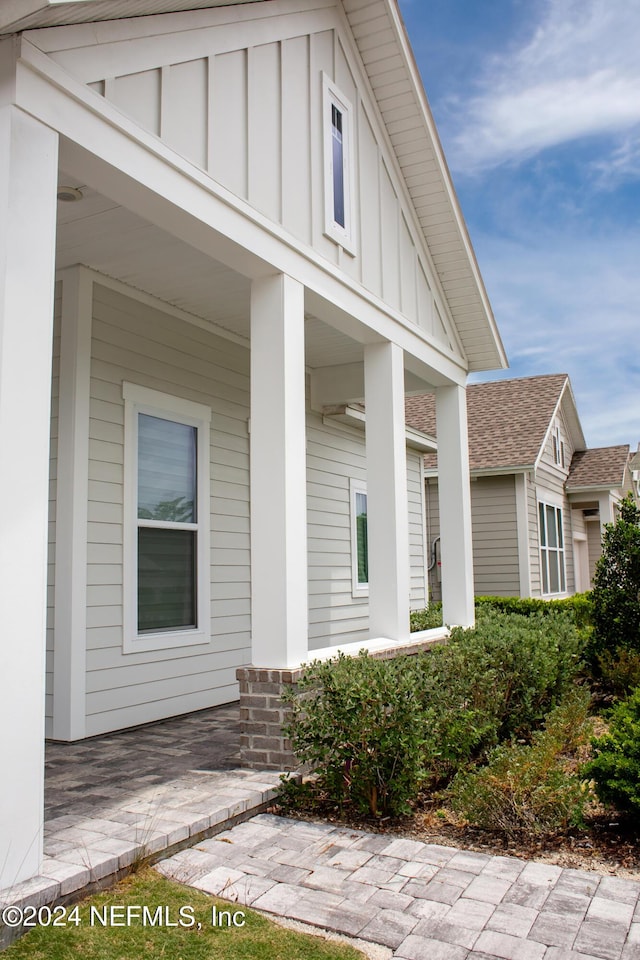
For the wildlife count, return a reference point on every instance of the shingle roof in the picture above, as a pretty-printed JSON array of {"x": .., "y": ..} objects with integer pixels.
[
  {"x": 508, "y": 419},
  {"x": 598, "y": 467}
]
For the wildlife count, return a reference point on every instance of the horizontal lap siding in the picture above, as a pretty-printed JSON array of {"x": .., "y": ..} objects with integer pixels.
[
  {"x": 336, "y": 454},
  {"x": 139, "y": 344},
  {"x": 51, "y": 555},
  {"x": 495, "y": 536}
]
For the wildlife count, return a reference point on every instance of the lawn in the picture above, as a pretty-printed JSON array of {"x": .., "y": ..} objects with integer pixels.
[{"x": 179, "y": 923}]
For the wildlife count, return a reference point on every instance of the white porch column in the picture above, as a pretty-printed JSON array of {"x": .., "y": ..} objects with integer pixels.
[
  {"x": 387, "y": 511},
  {"x": 454, "y": 496},
  {"x": 28, "y": 169},
  {"x": 279, "y": 617},
  {"x": 70, "y": 623}
]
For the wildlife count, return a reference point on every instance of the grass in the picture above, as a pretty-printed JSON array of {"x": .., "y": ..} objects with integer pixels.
[{"x": 199, "y": 939}]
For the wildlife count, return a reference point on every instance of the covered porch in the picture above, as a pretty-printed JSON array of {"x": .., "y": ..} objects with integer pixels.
[{"x": 147, "y": 225}]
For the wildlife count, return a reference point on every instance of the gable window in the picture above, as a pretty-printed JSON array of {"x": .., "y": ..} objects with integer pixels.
[
  {"x": 359, "y": 540},
  {"x": 338, "y": 162},
  {"x": 551, "y": 549},
  {"x": 166, "y": 535},
  {"x": 558, "y": 447}
]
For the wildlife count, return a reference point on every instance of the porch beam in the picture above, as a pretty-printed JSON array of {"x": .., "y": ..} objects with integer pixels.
[
  {"x": 387, "y": 510},
  {"x": 279, "y": 617},
  {"x": 28, "y": 172},
  {"x": 454, "y": 497}
]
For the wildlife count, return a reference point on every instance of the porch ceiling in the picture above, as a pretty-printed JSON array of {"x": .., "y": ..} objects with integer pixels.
[{"x": 100, "y": 234}]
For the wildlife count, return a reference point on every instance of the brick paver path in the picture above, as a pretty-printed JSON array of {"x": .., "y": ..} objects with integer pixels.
[{"x": 426, "y": 902}]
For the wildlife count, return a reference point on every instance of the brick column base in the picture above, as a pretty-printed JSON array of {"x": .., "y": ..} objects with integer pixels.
[{"x": 262, "y": 715}]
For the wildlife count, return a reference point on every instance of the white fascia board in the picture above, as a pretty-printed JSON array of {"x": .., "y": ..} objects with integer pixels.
[
  {"x": 141, "y": 172},
  {"x": 550, "y": 425},
  {"x": 594, "y": 488},
  {"x": 421, "y": 98},
  {"x": 13, "y": 11}
]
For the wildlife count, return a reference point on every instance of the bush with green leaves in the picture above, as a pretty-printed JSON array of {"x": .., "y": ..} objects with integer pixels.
[
  {"x": 616, "y": 589},
  {"x": 495, "y": 681},
  {"x": 579, "y": 606},
  {"x": 426, "y": 619},
  {"x": 359, "y": 723},
  {"x": 531, "y": 787},
  {"x": 615, "y": 765}
]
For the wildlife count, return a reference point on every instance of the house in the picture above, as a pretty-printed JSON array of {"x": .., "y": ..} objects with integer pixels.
[
  {"x": 539, "y": 496},
  {"x": 224, "y": 226}
]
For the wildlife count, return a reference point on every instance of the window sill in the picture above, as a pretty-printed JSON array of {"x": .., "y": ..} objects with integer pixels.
[{"x": 165, "y": 641}]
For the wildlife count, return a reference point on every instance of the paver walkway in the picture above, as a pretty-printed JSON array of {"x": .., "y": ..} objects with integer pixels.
[
  {"x": 426, "y": 902},
  {"x": 115, "y": 799}
]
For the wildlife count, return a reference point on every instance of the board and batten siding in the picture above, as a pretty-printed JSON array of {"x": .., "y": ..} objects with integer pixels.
[
  {"x": 254, "y": 86},
  {"x": 335, "y": 455},
  {"x": 53, "y": 469},
  {"x": 135, "y": 342}
]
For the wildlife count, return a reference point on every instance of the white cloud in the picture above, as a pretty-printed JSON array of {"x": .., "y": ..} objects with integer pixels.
[
  {"x": 577, "y": 75},
  {"x": 563, "y": 308}
]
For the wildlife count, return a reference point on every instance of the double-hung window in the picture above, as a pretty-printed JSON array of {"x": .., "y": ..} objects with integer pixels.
[
  {"x": 551, "y": 549},
  {"x": 359, "y": 540},
  {"x": 166, "y": 532},
  {"x": 339, "y": 166}
]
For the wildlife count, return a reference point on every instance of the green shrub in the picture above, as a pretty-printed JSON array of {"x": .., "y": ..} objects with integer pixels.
[
  {"x": 360, "y": 724},
  {"x": 615, "y": 767},
  {"x": 495, "y": 681},
  {"x": 426, "y": 619},
  {"x": 579, "y": 606},
  {"x": 616, "y": 590},
  {"x": 619, "y": 671},
  {"x": 530, "y": 787}
]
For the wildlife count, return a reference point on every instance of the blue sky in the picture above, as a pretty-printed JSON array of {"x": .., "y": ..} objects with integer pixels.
[{"x": 537, "y": 103}]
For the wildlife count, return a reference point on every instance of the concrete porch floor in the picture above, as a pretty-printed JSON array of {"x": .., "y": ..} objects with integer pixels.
[{"x": 122, "y": 797}]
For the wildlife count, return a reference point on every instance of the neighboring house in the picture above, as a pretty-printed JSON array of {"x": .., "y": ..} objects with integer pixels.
[
  {"x": 254, "y": 232},
  {"x": 539, "y": 497}
]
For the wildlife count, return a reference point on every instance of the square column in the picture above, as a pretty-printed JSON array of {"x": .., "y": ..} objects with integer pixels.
[
  {"x": 387, "y": 510},
  {"x": 454, "y": 497},
  {"x": 28, "y": 171},
  {"x": 279, "y": 615}
]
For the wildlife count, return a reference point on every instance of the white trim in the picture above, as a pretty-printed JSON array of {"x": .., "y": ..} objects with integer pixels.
[
  {"x": 561, "y": 552},
  {"x": 137, "y": 400},
  {"x": 522, "y": 524},
  {"x": 358, "y": 590},
  {"x": 332, "y": 97},
  {"x": 70, "y": 592}
]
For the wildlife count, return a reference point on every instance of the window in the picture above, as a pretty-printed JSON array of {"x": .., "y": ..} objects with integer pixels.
[
  {"x": 359, "y": 540},
  {"x": 551, "y": 549},
  {"x": 338, "y": 174},
  {"x": 558, "y": 447},
  {"x": 166, "y": 534}
]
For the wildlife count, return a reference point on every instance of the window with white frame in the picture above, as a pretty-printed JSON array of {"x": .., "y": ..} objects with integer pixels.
[
  {"x": 558, "y": 446},
  {"x": 551, "y": 549},
  {"x": 166, "y": 522},
  {"x": 338, "y": 164},
  {"x": 359, "y": 539}
]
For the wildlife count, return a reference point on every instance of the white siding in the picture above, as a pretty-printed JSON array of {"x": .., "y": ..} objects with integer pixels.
[
  {"x": 137, "y": 343},
  {"x": 134, "y": 342},
  {"x": 336, "y": 454},
  {"x": 254, "y": 122}
]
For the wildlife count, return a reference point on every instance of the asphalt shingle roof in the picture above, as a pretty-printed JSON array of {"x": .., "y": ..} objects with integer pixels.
[
  {"x": 598, "y": 467},
  {"x": 508, "y": 419}
]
